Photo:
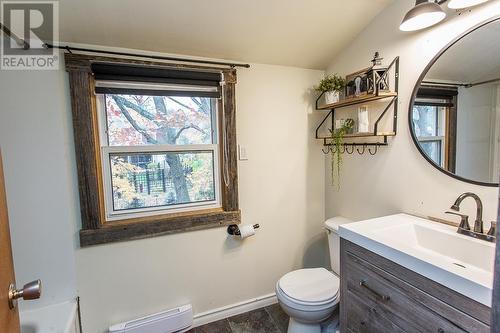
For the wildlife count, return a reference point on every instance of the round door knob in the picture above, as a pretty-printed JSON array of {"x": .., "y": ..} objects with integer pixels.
[{"x": 32, "y": 290}]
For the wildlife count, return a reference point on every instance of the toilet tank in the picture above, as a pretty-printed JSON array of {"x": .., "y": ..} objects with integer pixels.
[{"x": 332, "y": 229}]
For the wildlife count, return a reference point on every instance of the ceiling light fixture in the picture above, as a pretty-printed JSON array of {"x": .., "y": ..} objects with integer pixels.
[
  {"x": 460, "y": 4},
  {"x": 423, "y": 15}
]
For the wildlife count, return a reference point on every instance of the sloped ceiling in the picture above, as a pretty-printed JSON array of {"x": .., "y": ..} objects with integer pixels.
[{"x": 302, "y": 33}]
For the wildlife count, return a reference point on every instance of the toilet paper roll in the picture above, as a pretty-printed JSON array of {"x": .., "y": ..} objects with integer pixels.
[{"x": 246, "y": 230}]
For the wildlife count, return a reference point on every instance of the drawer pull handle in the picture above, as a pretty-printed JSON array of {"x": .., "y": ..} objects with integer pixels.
[{"x": 385, "y": 298}]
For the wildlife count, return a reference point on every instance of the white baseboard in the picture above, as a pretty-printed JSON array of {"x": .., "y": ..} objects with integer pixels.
[{"x": 234, "y": 309}]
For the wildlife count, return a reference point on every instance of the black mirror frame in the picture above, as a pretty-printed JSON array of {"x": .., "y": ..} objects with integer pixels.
[{"x": 414, "y": 95}]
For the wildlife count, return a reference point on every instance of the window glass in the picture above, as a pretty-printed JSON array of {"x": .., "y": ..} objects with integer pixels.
[
  {"x": 429, "y": 122},
  {"x": 161, "y": 179},
  {"x": 425, "y": 120},
  {"x": 134, "y": 120},
  {"x": 433, "y": 150}
]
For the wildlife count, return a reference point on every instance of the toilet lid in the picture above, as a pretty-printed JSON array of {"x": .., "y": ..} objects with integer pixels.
[{"x": 312, "y": 285}]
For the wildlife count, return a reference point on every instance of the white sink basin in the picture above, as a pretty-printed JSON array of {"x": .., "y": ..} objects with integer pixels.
[{"x": 434, "y": 250}]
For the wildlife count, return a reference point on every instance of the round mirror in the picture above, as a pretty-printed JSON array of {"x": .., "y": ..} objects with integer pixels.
[{"x": 454, "y": 115}]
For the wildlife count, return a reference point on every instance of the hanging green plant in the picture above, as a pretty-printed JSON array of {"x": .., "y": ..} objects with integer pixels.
[{"x": 337, "y": 137}]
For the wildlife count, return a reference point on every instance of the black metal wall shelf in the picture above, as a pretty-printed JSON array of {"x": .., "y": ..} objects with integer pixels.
[
  {"x": 391, "y": 97},
  {"x": 361, "y": 135},
  {"x": 355, "y": 100}
]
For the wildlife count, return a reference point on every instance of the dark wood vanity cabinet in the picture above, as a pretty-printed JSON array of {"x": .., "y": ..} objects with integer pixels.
[{"x": 378, "y": 295}]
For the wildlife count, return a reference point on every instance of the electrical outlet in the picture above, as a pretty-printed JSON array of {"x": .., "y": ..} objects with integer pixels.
[{"x": 242, "y": 153}]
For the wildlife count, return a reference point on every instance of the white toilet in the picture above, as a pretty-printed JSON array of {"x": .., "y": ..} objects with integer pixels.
[{"x": 310, "y": 296}]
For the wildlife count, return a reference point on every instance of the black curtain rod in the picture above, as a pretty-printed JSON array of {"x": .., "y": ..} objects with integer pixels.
[
  {"x": 218, "y": 63},
  {"x": 19, "y": 41},
  {"x": 26, "y": 46}
]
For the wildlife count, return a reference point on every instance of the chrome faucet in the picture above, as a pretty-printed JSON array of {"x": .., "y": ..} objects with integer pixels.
[
  {"x": 464, "y": 227},
  {"x": 478, "y": 224}
]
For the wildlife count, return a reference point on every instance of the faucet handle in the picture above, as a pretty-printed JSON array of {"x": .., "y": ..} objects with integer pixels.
[
  {"x": 493, "y": 229},
  {"x": 464, "y": 220}
]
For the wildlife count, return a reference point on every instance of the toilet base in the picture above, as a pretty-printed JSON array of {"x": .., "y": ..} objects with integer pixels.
[{"x": 295, "y": 326}]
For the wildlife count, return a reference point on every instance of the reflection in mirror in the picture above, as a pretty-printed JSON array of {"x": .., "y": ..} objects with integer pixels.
[{"x": 455, "y": 116}]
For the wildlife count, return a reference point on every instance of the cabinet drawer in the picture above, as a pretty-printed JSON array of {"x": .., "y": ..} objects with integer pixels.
[
  {"x": 361, "y": 318},
  {"x": 407, "y": 309}
]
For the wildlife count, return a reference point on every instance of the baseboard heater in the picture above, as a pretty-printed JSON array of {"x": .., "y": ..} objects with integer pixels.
[{"x": 175, "y": 320}]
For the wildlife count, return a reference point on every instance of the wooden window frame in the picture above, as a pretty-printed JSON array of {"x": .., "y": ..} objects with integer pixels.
[{"x": 95, "y": 229}]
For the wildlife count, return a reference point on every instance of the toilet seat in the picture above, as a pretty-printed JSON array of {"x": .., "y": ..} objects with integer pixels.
[
  {"x": 310, "y": 289},
  {"x": 305, "y": 307}
]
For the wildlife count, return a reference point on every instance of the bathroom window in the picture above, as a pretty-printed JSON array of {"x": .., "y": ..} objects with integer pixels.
[
  {"x": 429, "y": 123},
  {"x": 155, "y": 147},
  {"x": 160, "y": 153},
  {"x": 435, "y": 124}
]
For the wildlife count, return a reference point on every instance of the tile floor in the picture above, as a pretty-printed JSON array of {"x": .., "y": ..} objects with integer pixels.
[{"x": 270, "y": 319}]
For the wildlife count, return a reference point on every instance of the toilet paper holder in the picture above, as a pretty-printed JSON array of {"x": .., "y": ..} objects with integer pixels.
[{"x": 234, "y": 230}]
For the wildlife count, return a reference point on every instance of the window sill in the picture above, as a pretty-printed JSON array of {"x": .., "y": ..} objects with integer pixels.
[{"x": 157, "y": 226}]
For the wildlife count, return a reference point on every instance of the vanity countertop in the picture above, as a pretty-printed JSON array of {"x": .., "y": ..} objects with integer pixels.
[{"x": 431, "y": 249}]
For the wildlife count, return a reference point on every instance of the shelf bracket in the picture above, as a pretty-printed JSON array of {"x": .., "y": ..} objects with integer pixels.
[{"x": 322, "y": 122}]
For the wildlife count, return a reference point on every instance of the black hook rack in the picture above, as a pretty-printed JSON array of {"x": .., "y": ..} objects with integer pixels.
[{"x": 349, "y": 148}]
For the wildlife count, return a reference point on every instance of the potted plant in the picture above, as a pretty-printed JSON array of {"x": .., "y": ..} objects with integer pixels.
[
  {"x": 337, "y": 137},
  {"x": 331, "y": 86}
]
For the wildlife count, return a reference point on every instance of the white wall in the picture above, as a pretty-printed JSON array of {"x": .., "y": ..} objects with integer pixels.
[
  {"x": 398, "y": 178},
  {"x": 37, "y": 146},
  {"x": 476, "y": 132},
  {"x": 281, "y": 187}
]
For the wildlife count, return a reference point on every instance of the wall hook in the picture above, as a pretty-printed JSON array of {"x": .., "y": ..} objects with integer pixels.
[
  {"x": 327, "y": 150},
  {"x": 370, "y": 150},
  {"x": 333, "y": 149},
  {"x": 362, "y": 151},
  {"x": 351, "y": 151},
  {"x": 342, "y": 149}
]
